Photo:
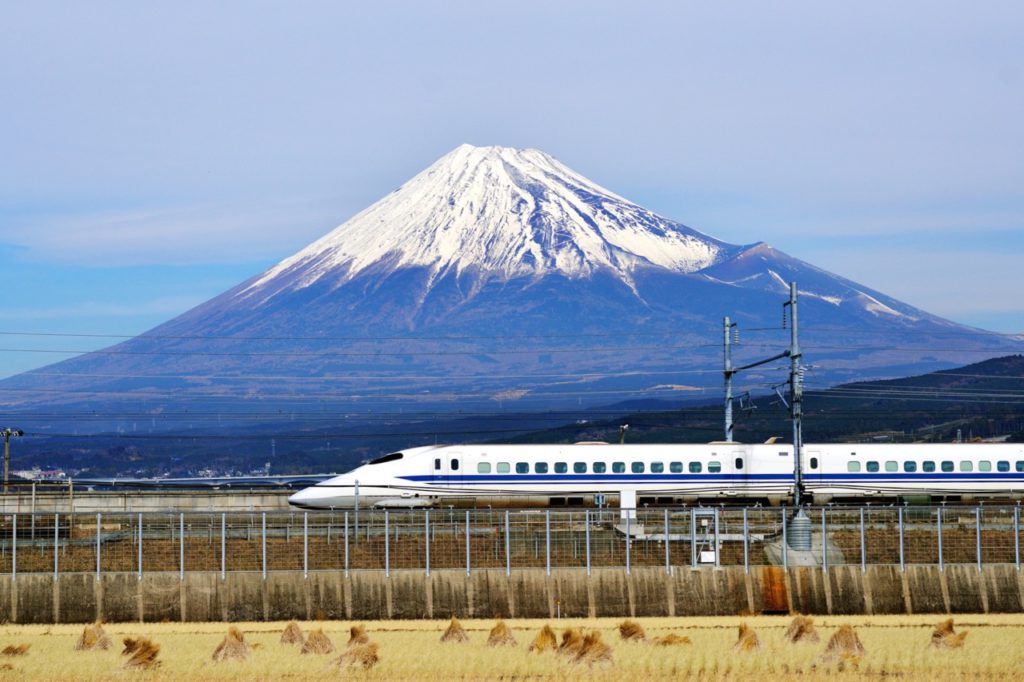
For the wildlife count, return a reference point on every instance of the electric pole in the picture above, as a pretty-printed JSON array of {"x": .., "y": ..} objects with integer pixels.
[
  {"x": 7, "y": 433},
  {"x": 796, "y": 391},
  {"x": 727, "y": 337}
]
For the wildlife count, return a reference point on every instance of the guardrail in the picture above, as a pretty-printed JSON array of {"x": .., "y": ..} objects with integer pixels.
[{"x": 424, "y": 540}]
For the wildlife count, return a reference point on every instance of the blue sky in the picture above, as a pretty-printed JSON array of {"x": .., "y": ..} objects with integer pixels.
[{"x": 154, "y": 154}]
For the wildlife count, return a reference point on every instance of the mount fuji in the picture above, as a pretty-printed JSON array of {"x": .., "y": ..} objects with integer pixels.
[{"x": 497, "y": 277}]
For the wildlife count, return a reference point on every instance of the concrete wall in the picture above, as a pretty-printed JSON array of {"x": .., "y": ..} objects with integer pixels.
[
  {"x": 64, "y": 501},
  {"x": 366, "y": 595}
]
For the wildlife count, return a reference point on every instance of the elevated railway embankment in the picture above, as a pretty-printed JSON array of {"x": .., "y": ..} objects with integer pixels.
[{"x": 76, "y": 498}]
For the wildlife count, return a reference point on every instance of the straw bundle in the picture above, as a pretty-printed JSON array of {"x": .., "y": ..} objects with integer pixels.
[
  {"x": 801, "y": 631},
  {"x": 572, "y": 642},
  {"x": 16, "y": 650},
  {"x": 357, "y": 635},
  {"x": 360, "y": 655},
  {"x": 671, "y": 639},
  {"x": 292, "y": 634},
  {"x": 454, "y": 633},
  {"x": 130, "y": 645},
  {"x": 844, "y": 648},
  {"x": 232, "y": 647},
  {"x": 318, "y": 643},
  {"x": 544, "y": 640},
  {"x": 631, "y": 631},
  {"x": 594, "y": 651},
  {"x": 93, "y": 638},
  {"x": 501, "y": 635},
  {"x": 144, "y": 655},
  {"x": 747, "y": 640},
  {"x": 944, "y": 637}
]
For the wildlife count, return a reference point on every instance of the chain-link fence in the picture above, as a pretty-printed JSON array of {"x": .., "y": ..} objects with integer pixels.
[{"x": 424, "y": 540}]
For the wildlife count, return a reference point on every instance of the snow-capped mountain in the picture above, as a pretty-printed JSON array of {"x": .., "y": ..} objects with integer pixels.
[{"x": 501, "y": 275}]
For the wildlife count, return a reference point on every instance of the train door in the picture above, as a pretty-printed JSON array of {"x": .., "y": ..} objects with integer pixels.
[
  {"x": 813, "y": 464},
  {"x": 452, "y": 464},
  {"x": 740, "y": 467}
]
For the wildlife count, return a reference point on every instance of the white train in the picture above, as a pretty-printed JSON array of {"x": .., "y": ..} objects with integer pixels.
[{"x": 631, "y": 475}]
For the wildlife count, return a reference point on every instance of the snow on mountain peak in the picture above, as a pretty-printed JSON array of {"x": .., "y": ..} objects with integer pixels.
[{"x": 502, "y": 213}]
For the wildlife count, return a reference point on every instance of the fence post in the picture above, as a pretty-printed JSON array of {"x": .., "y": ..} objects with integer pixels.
[
  {"x": 346, "y": 544},
  {"x": 586, "y": 531},
  {"x": 56, "y": 545},
  {"x": 508, "y": 548},
  {"x": 181, "y": 546},
  {"x": 977, "y": 534},
  {"x": 938, "y": 528},
  {"x": 387, "y": 546},
  {"x": 863, "y": 546},
  {"x": 305, "y": 544},
  {"x": 223, "y": 546},
  {"x": 628, "y": 544},
  {"x": 426, "y": 537},
  {"x": 1016, "y": 536},
  {"x": 14, "y": 546},
  {"x": 263, "y": 542},
  {"x": 824, "y": 540},
  {"x": 668, "y": 558},
  {"x": 693, "y": 538},
  {"x": 903, "y": 558},
  {"x": 140, "y": 545},
  {"x": 718, "y": 541},
  {"x": 746, "y": 542},
  {"x": 785, "y": 543},
  {"x": 99, "y": 516},
  {"x": 467, "y": 543},
  {"x": 547, "y": 541}
]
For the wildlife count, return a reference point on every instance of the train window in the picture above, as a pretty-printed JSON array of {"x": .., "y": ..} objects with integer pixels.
[
  {"x": 714, "y": 467},
  {"x": 600, "y": 467},
  {"x": 892, "y": 466},
  {"x": 618, "y": 467},
  {"x": 695, "y": 467},
  {"x": 1020, "y": 465},
  {"x": 388, "y": 458},
  {"x": 455, "y": 464},
  {"x": 928, "y": 467},
  {"x": 1003, "y": 466},
  {"x": 522, "y": 468},
  {"x": 637, "y": 467},
  {"x": 579, "y": 467},
  {"x": 657, "y": 467},
  {"x": 561, "y": 468},
  {"x": 966, "y": 465},
  {"x": 984, "y": 465},
  {"x": 853, "y": 466},
  {"x": 483, "y": 468},
  {"x": 947, "y": 466},
  {"x": 677, "y": 467},
  {"x": 739, "y": 463},
  {"x": 437, "y": 464},
  {"x": 540, "y": 468},
  {"x": 910, "y": 467},
  {"x": 814, "y": 462},
  {"x": 503, "y": 467},
  {"x": 872, "y": 467}
]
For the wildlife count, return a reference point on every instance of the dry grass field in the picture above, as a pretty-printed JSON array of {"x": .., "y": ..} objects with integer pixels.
[{"x": 894, "y": 646}]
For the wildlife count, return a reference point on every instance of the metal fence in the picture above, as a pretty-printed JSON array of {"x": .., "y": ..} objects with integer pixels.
[{"x": 358, "y": 540}]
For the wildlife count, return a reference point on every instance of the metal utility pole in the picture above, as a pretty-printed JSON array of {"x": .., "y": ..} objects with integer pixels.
[
  {"x": 796, "y": 392},
  {"x": 727, "y": 338},
  {"x": 7, "y": 433}
]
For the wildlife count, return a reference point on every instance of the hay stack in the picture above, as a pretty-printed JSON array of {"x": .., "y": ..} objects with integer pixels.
[
  {"x": 130, "y": 645},
  {"x": 572, "y": 642},
  {"x": 801, "y": 631},
  {"x": 357, "y": 635},
  {"x": 671, "y": 639},
  {"x": 144, "y": 655},
  {"x": 844, "y": 648},
  {"x": 292, "y": 634},
  {"x": 747, "y": 640},
  {"x": 501, "y": 635},
  {"x": 360, "y": 655},
  {"x": 631, "y": 631},
  {"x": 93, "y": 638},
  {"x": 318, "y": 643},
  {"x": 594, "y": 651},
  {"x": 544, "y": 640},
  {"x": 16, "y": 650},
  {"x": 944, "y": 637},
  {"x": 232, "y": 647},
  {"x": 455, "y": 633}
]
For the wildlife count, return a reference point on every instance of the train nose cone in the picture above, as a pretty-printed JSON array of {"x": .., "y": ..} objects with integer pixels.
[{"x": 307, "y": 497}]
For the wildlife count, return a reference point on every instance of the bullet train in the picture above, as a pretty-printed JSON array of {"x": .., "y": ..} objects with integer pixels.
[{"x": 634, "y": 475}]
